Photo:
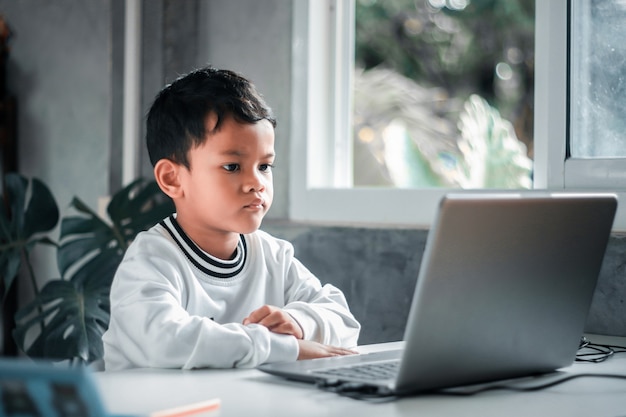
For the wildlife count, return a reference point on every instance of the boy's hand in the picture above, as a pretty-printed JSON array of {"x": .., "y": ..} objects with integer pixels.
[
  {"x": 313, "y": 350},
  {"x": 276, "y": 320}
]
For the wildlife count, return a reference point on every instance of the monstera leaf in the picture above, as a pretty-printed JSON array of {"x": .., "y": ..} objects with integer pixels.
[
  {"x": 70, "y": 314},
  {"x": 22, "y": 222},
  {"x": 76, "y": 317}
]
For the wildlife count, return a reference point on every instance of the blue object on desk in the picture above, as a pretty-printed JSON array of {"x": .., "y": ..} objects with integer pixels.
[{"x": 42, "y": 389}]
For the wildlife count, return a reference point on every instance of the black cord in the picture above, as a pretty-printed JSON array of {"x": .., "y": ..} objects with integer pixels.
[
  {"x": 538, "y": 387},
  {"x": 595, "y": 352},
  {"x": 372, "y": 394},
  {"x": 356, "y": 391}
]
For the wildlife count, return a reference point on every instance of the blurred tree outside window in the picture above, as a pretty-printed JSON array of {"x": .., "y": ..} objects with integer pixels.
[{"x": 443, "y": 93}]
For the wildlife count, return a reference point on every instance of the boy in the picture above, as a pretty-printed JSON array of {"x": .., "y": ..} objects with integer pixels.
[{"x": 205, "y": 287}]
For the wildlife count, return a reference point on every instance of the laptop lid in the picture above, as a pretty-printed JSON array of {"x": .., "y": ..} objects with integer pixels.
[{"x": 504, "y": 289}]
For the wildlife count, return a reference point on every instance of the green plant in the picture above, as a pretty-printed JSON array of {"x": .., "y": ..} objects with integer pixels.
[
  {"x": 415, "y": 144},
  {"x": 66, "y": 318}
]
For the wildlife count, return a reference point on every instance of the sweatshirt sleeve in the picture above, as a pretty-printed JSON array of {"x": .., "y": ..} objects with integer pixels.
[
  {"x": 149, "y": 326},
  {"x": 321, "y": 311}
]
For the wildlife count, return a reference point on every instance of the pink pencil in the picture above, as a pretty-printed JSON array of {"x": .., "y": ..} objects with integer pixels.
[{"x": 188, "y": 410}]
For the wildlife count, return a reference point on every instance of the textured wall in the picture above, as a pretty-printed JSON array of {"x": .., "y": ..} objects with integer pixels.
[
  {"x": 59, "y": 69},
  {"x": 377, "y": 270},
  {"x": 608, "y": 311}
]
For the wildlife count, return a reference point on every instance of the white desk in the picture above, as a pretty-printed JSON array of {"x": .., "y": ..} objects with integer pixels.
[{"x": 253, "y": 393}]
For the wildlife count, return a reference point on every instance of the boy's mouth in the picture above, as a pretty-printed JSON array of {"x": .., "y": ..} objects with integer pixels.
[{"x": 256, "y": 204}]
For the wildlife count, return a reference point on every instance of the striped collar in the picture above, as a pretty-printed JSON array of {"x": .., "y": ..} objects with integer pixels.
[{"x": 205, "y": 262}]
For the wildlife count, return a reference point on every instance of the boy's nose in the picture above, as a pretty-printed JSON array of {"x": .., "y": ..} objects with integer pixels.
[{"x": 254, "y": 183}]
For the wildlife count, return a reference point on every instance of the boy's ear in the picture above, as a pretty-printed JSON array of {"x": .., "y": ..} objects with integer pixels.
[{"x": 166, "y": 173}]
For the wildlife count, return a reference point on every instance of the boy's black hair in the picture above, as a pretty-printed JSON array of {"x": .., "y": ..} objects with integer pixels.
[{"x": 176, "y": 120}]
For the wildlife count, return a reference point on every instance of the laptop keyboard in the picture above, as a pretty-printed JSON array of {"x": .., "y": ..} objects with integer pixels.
[{"x": 368, "y": 371}]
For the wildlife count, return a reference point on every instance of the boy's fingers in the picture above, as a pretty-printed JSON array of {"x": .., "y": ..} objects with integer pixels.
[
  {"x": 283, "y": 324},
  {"x": 257, "y": 315},
  {"x": 282, "y": 327},
  {"x": 275, "y": 320},
  {"x": 339, "y": 351},
  {"x": 271, "y": 320}
]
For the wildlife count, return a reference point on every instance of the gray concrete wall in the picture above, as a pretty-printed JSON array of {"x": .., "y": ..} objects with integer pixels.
[{"x": 59, "y": 69}]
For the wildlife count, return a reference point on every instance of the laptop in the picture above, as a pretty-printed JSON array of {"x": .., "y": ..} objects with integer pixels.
[
  {"x": 38, "y": 388},
  {"x": 503, "y": 291}
]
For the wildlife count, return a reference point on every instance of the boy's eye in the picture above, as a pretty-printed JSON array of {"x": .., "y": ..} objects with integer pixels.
[
  {"x": 266, "y": 167},
  {"x": 231, "y": 167}
]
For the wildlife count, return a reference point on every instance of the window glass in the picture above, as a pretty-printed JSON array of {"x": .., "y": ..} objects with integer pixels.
[
  {"x": 598, "y": 79},
  {"x": 443, "y": 93}
]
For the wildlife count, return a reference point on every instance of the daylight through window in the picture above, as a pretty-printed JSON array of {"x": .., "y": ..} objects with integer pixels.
[{"x": 443, "y": 94}]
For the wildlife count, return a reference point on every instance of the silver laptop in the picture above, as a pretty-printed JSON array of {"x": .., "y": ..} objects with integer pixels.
[{"x": 503, "y": 291}]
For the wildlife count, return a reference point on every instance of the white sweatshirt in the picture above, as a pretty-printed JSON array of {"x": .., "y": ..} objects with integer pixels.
[{"x": 175, "y": 306}]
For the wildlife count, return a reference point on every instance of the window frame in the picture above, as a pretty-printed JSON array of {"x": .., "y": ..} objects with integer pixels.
[
  {"x": 554, "y": 169},
  {"x": 321, "y": 108}
]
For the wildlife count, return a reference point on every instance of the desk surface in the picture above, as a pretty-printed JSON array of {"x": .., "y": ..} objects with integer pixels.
[{"x": 251, "y": 392}]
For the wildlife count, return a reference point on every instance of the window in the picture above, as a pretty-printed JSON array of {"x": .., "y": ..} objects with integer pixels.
[
  {"x": 598, "y": 79},
  {"x": 561, "y": 100},
  {"x": 443, "y": 93},
  {"x": 597, "y": 147},
  {"x": 319, "y": 190}
]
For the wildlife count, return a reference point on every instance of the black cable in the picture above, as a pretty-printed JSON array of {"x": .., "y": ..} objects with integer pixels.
[
  {"x": 372, "y": 394},
  {"x": 538, "y": 387},
  {"x": 596, "y": 352},
  {"x": 357, "y": 391}
]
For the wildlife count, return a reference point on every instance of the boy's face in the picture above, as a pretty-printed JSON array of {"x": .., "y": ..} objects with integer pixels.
[{"x": 229, "y": 186}]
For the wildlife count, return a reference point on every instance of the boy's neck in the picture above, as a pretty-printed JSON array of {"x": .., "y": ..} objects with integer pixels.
[
  {"x": 220, "y": 244},
  {"x": 223, "y": 247}
]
